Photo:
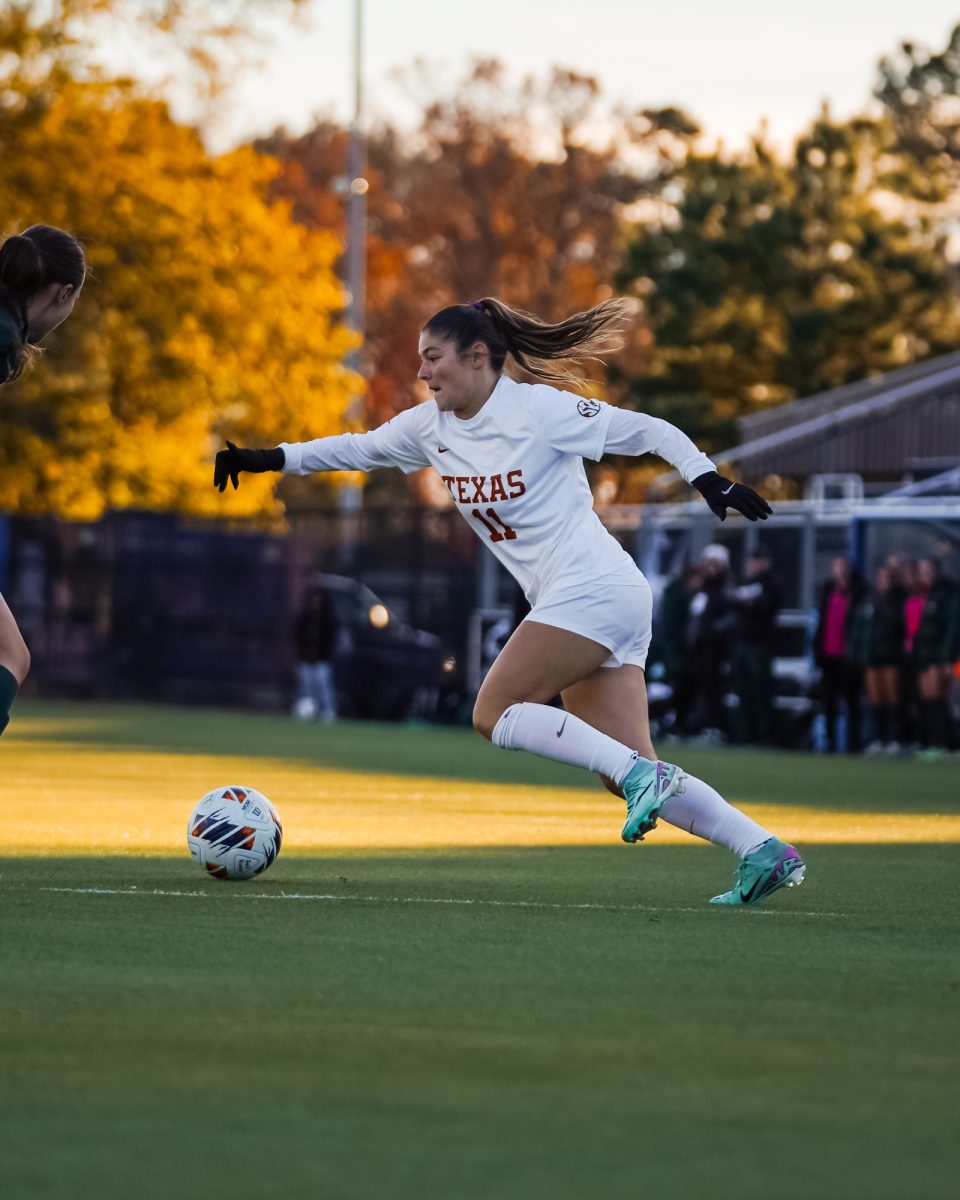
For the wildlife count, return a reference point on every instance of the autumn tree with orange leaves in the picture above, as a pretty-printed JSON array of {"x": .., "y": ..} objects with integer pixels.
[
  {"x": 209, "y": 311},
  {"x": 510, "y": 190}
]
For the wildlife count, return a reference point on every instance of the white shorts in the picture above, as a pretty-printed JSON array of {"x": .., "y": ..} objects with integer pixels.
[{"x": 616, "y": 612}]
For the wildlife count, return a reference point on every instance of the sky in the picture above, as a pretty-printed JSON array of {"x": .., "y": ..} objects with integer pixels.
[{"x": 730, "y": 65}]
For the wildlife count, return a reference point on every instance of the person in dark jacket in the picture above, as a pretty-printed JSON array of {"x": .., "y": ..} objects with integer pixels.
[
  {"x": 756, "y": 602},
  {"x": 316, "y": 637},
  {"x": 934, "y": 651},
  {"x": 671, "y": 640},
  {"x": 712, "y": 618},
  {"x": 877, "y": 647},
  {"x": 841, "y": 676},
  {"x": 41, "y": 274}
]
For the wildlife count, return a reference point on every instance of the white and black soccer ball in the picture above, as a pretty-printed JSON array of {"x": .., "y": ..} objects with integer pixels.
[{"x": 234, "y": 833}]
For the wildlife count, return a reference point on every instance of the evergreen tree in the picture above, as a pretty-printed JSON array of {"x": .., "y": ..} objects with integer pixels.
[
  {"x": 920, "y": 91},
  {"x": 774, "y": 280}
]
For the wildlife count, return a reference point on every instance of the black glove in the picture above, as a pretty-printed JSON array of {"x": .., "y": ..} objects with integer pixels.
[
  {"x": 232, "y": 461},
  {"x": 722, "y": 494}
]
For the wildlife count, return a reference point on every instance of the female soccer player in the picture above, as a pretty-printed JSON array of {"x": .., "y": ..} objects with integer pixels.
[
  {"x": 41, "y": 274},
  {"x": 510, "y": 455}
]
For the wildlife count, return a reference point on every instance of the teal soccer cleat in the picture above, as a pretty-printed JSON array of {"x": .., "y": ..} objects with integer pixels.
[
  {"x": 647, "y": 785},
  {"x": 766, "y": 870}
]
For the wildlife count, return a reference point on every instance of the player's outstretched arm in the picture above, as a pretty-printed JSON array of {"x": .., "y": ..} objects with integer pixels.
[
  {"x": 230, "y": 462},
  {"x": 637, "y": 433},
  {"x": 721, "y": 494},
  {"x": 398, "y": 443}
]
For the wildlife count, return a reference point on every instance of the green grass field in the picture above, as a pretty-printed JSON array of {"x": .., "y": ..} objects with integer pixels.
[{"x": 456, "y": 983}]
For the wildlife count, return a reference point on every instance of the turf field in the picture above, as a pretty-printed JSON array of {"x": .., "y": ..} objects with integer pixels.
[{"x": 456, "y": 983}]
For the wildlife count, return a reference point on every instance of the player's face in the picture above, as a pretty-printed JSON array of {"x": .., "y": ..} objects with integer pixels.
[
  {"x": 443, "y": 371},
  {"x": 757, "y": 566},
  {"x": 926, "y": 573},
  {"x": 840, "y": 572},
  {"x": 459, "y": 382},
  {"x": 50, "y": 307}
]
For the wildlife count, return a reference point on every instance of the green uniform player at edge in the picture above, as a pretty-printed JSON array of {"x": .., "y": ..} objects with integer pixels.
[{"x": 41, "y": 274}]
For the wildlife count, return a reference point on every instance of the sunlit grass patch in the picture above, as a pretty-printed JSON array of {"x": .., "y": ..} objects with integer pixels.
[{"x": 78, "y": 797}]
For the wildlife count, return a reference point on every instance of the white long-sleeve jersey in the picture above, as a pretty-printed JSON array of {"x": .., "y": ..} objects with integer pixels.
[{"x": 515, "y": 471}]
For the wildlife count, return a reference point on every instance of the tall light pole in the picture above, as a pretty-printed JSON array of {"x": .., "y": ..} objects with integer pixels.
[
  {"x": 357, "y": 193},
  {"x": 350, "y": 495}
]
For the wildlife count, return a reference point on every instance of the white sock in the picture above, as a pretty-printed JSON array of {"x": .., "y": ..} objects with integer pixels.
[
  {"x": 553, "y": 733},
  {"x": 703, "y": 812}
]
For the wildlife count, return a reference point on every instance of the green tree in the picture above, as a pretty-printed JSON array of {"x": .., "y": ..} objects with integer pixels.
[
  {"x": 773, "y": 280},
  {"x": 920, "y": 91}
]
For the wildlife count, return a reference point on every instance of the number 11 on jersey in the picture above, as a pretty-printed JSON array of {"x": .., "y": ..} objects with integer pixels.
[{"x": 490, "y": 522}]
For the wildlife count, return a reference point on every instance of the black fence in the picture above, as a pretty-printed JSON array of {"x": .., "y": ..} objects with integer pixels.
[{"x": 149, "y": 606}]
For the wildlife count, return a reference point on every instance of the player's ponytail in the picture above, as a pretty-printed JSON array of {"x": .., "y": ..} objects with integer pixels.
[
  {"x": 28, "y": 262},
  {"x": 543, "y": 350},
  {"x": 22, "y": 269}
]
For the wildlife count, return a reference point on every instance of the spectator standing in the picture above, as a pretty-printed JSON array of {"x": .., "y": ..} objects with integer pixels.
[
  {"x": 913, "y": 601},
  {"x": 841, "y": 677},
  {"x": 672, "y": 639},
  {"x": 877, "y": 639},
  {"x": 756, "y": 602},
  {"x": 316, "y": 637},
  {"x": 934, "y": 648},
  {"x": 712, "y": 618}
]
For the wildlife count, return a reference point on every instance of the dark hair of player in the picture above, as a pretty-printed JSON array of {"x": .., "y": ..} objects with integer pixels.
[
  {"x": 537, "y": 347},
  {"x": 28, "y": 262}
]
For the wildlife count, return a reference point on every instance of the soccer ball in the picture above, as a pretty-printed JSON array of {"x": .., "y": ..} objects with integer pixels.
[{"x": 234, "y": 833}]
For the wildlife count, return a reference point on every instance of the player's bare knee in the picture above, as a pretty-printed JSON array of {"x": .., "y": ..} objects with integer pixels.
[
  {"x": 485, "y": 718},
  {"x": 480, "y": 723},
  {"x": 15, "y": 656},
  {"x": 487, "y": 711}
]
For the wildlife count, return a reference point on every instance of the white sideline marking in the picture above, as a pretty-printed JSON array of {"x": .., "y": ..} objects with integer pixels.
[{"x": 333, "y": 898}]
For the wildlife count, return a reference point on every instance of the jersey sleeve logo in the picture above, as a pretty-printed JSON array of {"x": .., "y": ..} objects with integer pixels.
[{"x": 588, "y": 408}]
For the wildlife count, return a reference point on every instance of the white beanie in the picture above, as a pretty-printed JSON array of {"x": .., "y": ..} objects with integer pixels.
[{"x": 716, "y": 553}]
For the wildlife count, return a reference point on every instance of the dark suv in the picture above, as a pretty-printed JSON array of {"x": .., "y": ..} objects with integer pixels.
[{"x": 384, "y": 669}]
